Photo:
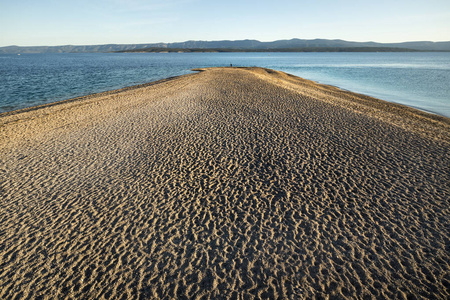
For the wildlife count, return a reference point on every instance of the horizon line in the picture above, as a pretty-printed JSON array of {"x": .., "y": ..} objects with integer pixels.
[{"x": 223, "y": 40}]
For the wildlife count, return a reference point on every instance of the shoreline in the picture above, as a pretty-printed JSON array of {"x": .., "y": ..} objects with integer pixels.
[
  {"x": 229, "y": 182},
  {"x": 381, "y": 98},
  {"x": 401, "y": 101},
  {"x": 132, "y": 87},
  {"x": 89, "y": 96}
]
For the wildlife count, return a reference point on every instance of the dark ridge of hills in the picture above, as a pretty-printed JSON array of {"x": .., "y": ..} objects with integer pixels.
[
  {"x": 247, "y": 45},
  {"x": 305, "y": 49}
]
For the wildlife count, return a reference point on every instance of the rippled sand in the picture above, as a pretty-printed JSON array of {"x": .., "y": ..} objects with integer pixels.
[{"x": 230, "y": 183}]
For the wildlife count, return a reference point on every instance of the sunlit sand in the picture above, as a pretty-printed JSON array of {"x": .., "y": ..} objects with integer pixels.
[{"x": 229, "y": 183}]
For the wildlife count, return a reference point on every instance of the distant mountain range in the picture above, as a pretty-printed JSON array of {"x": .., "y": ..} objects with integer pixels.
[{"x": 239, "y": 45}]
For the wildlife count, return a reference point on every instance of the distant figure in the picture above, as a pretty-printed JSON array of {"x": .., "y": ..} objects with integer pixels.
[{"x": 231, "y": 65}]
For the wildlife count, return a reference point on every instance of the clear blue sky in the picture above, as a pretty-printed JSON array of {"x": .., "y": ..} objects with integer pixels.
[{"x": 85, "y": 22}]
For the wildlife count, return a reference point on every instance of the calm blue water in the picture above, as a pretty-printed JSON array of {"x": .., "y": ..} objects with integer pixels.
[{"x": 420, "y": 80}]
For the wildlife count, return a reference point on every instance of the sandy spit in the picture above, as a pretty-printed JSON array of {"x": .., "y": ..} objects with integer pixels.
[{"x": 232, "y": 183}]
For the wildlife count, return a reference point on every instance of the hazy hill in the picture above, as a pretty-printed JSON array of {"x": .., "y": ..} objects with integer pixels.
[
  {"x": 76, "y": 49},
  {"x": 237, "y": 45},
  {"x": 316, "y": 43}
]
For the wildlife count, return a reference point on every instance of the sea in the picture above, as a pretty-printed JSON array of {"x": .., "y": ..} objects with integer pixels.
[{"x": 420, "y": 79}]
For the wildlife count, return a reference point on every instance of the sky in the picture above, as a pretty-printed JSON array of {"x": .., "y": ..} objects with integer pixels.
[{"x": 91, "y": 22}]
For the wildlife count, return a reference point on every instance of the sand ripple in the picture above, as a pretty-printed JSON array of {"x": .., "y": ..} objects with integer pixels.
[{"x": 231, "y": 183}]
